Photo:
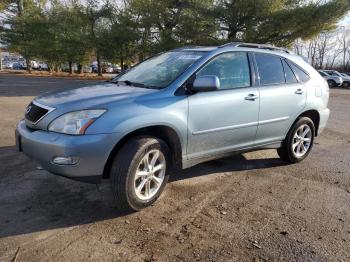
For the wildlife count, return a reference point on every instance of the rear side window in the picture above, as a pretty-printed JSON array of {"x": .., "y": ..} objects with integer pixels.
[
  {"x": 270, "y": 69},
  {"x": 231, "y": 68},
  {"x": 290, "y": 77},
  {"x": 302, "y": 76}
]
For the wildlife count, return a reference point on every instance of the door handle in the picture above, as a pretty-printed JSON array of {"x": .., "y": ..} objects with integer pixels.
[
  {"x": 251, "y": 97},
  {"x": 299, "y": 91}
]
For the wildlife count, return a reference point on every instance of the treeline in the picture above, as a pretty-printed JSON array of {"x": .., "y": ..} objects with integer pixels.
[
  {"x": 329, "y": 50},
  {"x": 74, "y": 31}
]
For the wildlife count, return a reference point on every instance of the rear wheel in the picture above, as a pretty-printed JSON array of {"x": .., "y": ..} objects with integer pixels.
[
  {"x": 346, "y": 84},
  {"x": 139, "y": 173},
  {"x": 299, "y": 141}
]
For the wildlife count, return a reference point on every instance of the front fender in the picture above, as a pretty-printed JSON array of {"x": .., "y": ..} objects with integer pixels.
[{"x": 126, "y": 118}]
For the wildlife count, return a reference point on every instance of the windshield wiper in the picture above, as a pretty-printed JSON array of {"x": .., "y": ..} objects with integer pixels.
[{"x": 129, "y": 83}]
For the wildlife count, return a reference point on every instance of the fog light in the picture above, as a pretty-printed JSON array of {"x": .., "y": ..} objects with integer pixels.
[{"x": 65, "y": 160}]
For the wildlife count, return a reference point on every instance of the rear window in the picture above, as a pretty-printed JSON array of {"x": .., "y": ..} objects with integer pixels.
[
  {"x": 301, "y": 74},
  {"x": 270, "y": 69}
]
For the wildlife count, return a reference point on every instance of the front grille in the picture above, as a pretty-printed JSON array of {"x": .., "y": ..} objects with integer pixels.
[{"x": 34, "y": 113}]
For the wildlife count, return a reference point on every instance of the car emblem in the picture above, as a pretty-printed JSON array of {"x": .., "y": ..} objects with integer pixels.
[{"x": 28, "y": 109}]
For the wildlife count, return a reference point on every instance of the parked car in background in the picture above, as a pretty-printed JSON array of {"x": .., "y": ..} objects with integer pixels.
[
  {"x": 117, "y": 69},
  {"x": 87, "y": 69},
  {"x": 8, "y": 65},
  {"x": 19, "y": 66},
  {"x": 346, "y": 79},
  {"x": 333, "y": 81},
  {"x": 173, "y": 111},
  {"x": 94, "y": 68},
  {"x": 108, "y": 70}
]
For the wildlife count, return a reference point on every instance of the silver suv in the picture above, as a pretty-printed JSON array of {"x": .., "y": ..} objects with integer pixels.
[{"x": 173, "y": 111}]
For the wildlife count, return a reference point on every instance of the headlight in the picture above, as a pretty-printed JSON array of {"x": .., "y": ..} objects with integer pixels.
[{"x": 75, "y": 123}]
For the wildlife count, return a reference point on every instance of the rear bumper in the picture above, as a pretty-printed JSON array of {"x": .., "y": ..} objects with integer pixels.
[
  {"x": 324, "y": 115},
  {"x": 91, "y": 151}
]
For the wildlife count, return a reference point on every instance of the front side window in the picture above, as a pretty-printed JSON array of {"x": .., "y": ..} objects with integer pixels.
[
  {"x": 159, "y": 71},
  {"x": 270, "y": 69},
  {"x": 231, "y": 68}
]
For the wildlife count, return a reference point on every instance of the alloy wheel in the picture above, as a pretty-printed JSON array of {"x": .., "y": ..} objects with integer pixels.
[
  {"x": 302, "y": 140},
  {"x": 150, "y": 174}
]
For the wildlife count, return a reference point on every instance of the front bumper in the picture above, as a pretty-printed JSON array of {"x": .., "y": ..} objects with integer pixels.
[
  {"x": 92, "y": 151},
  {"x": 324, "y": 115}
]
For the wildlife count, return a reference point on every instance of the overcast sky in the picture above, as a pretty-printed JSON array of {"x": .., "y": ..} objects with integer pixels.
[{"x": 346, "y": 20}]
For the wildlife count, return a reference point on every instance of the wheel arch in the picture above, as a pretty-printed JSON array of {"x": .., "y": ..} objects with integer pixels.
[
  {"x": 168, "y": 134},
  {"x": 314, "y": 115}
]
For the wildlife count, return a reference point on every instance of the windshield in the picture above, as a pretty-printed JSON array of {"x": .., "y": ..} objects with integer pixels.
[
  {"x": 159, "y": 71},
  {"x": 332, "y": 73}
]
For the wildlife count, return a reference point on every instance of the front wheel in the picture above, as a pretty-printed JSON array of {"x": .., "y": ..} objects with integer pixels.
[
  {"x": 299, "y": 141},
  {"x": 139, "y": 173},
  {"x": 346, "y": 84},
  {"x": 331, "y": 83}
]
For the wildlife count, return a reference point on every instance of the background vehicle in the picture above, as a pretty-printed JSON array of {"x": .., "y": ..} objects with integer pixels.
[
  {"x": 19, "y": 66},
  {"x": 346, "y": 79},
  {"x": 332, "y": 80},
  {"x": 176, "y": 110}
]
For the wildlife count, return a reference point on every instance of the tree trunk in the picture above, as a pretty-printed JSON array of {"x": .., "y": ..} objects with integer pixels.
[
  {"x": 80, "y": 69},
  {"x": 99, "y": 67},
  {"x": 29, "y": 66},
  {"x": 121, "y": 61},
  {"x": 20, "y": 7},
  {"x": 70, "y": 63}
]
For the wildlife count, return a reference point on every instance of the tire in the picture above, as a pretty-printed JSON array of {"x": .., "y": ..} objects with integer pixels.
[
  {"x": 291, "y": 153},
  {"x": 331, "y": 83},
  {"x": 132, "y": 158},
  {"x": 346, "y": 84}
]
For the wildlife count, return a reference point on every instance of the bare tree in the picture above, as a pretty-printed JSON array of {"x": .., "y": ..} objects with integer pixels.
[{"x": 344, "y": 40}]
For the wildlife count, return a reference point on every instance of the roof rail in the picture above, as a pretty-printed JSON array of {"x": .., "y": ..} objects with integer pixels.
[
  {"x": 259, "y": 46},
  {"x": 187, "y": 47}
]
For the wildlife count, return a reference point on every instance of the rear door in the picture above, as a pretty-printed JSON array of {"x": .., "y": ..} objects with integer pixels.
[{"x": 282, "y": 97}]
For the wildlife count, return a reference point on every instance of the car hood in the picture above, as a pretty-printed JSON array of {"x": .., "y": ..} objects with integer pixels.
[{"x": 92, "y": 95}]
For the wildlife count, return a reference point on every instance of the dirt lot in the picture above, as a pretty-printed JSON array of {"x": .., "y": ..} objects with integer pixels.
[{"x": 250, "y": 207}]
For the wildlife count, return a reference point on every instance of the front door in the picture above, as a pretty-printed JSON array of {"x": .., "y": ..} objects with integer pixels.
[{"x": 226, "y": 119}]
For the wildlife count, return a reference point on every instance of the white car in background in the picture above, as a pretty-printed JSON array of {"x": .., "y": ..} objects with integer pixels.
[
  {"x": 332, "y": 80},
  {"x": 346, "y": 78}
]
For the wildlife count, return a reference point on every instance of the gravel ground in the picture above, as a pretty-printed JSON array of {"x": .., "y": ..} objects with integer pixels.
[{"x": 250, "y": 207}]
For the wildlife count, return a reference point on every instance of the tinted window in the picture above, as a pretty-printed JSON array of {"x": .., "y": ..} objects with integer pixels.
[
  {"x": 303, "y": 77},
  {"x": 322, "y": 74},
  {"x": 270, "y": 69},
  {"x": 231, "y": 68},
  {"x": 290, "y": 77}
]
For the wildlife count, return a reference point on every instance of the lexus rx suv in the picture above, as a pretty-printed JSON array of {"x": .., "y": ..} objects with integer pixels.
[{"x": 173, "y": 111}]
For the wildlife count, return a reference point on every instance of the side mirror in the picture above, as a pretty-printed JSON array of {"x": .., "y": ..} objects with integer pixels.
[{"x": 206, "y": 83}]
